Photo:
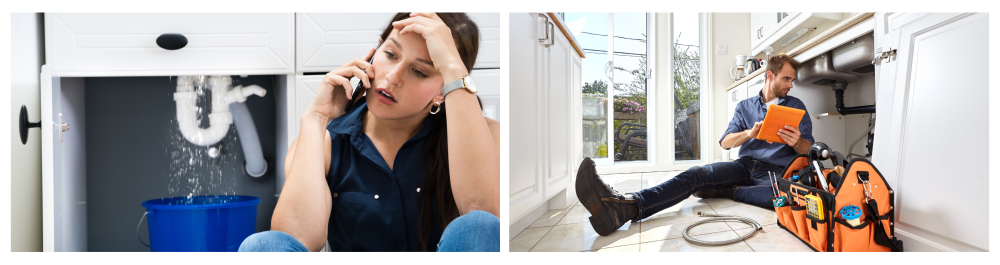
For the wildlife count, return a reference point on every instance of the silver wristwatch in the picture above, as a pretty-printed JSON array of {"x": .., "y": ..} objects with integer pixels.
[{"x": 464, "y": 82}]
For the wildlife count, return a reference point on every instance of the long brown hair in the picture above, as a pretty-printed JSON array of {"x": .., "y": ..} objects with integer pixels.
[{"x": 435, "y": 189}]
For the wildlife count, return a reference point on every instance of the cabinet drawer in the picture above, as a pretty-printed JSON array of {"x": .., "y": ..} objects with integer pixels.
[
  {"x": 492, "y": 88},
  {"x": 490, "y": 40},
  {"x": 325, "y": 41},
  {"x": 125, "y": 44}
]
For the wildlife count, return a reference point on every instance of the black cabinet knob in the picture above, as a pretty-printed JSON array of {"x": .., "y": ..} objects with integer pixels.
[
  {"x": 24, "y": 124},
  {"x": 171, "y": 41}
]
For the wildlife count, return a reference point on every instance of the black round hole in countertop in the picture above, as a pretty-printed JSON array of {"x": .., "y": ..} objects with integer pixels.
[{"x": 171, "y": 41}]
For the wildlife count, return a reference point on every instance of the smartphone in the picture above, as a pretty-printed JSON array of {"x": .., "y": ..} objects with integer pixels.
[{"x": 361, "y": 85}]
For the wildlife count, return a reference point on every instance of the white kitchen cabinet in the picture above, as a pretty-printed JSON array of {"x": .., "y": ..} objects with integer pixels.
[
  {"x": 117, "y": 45},
  {"x": 325, "y": 41},
  {"x": 928, "y": 164},
  {"x": 736, "y": 95},
  {"x": 491, "y": 37},
  {"x": 762, "y": 25},
  {"x": 545, "y": 73},
  {"x": 525, "y": 190},
  {"x": 65, "y": 162},
  {"x": 125, "y": 44},
  {"x": 772, "y": 28}
]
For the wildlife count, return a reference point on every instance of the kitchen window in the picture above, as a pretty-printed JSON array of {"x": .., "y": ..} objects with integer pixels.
[
  {"x": 652, "y": 68},
  {"x": 690, "y": 143},
  {"x": 616, "y": 76}
]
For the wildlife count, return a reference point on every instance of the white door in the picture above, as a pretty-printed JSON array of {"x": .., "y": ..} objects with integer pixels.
[
  {"x": 64, "y": 185},
  {"x": 939, "y": 73},
  {"x": 525, "y": 184},
  {"x": 558, "y": 97},
  {"x": 26, "y": 158},
  {"x": 756, "y": 25}
]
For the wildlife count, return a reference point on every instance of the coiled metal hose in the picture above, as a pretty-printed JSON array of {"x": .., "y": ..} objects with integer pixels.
[{"x": 721, "y": 218}]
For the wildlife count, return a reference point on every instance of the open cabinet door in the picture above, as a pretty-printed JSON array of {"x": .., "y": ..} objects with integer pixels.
[
  {"x": 939, "y": 73},
  {"x": 64, "y": 198}
]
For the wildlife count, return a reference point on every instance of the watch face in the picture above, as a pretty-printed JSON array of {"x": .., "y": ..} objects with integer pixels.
[{"x": 471, "y": 85}]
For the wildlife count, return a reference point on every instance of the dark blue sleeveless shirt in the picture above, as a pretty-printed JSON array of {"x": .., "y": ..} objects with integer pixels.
[{"x": 374, "y": 208}]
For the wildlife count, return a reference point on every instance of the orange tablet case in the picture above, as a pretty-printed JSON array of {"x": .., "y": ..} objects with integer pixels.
[{"x": 777, "y": 117}]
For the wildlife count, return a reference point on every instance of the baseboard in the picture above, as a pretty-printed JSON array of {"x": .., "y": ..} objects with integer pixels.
[
  {"x": 915, "y": 240},
  {"x": 519, "y": 226}
]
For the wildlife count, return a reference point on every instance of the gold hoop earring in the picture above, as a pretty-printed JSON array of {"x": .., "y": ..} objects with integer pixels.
[{"x": 435, "y": 111}]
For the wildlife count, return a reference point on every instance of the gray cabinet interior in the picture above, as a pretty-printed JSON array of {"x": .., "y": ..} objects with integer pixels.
[{"x": 133, "y": 153}]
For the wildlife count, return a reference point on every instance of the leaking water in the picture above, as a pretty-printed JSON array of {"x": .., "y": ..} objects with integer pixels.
[{"x": 201, "y": 170}]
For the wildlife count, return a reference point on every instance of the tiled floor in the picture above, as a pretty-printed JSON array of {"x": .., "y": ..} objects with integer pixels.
[{"x": 569, "y": 229}]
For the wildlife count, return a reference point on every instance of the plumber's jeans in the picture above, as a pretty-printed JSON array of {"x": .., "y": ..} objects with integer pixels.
[
  {"x": 477, "y": 231},
  {"x": 750, "y": 177}
]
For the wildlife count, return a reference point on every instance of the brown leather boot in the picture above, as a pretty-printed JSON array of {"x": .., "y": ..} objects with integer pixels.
[{"x": 608, "y": 208}]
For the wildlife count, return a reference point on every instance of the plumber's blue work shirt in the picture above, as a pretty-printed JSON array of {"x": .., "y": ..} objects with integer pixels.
[
  {"x": 752, "y": 110},
  {"x": 374, "y": 208}
]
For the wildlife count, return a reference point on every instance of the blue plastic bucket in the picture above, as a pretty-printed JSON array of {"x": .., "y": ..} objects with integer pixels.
[{"x": 201, "y": 223}]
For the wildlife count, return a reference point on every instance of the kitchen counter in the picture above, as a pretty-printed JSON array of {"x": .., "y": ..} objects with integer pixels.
[{"x": 565, "y": 31}]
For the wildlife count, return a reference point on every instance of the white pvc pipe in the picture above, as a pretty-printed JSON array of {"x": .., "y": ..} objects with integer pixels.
[
  {"x": 255, "y": 164},
  {"x": 220, "y": 118},
  {"x": 187, "y": 113},
  {"x": 224, "y": 100}
]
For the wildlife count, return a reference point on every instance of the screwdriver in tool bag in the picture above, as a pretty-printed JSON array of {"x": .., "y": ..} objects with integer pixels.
[{"x": 778, "y": 200}]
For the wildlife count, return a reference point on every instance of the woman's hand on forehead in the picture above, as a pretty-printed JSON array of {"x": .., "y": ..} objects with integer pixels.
[{"x": 440, "y": 43}]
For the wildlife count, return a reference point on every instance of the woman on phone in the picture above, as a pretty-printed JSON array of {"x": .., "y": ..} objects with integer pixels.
[{"x": 397, "y": 171}]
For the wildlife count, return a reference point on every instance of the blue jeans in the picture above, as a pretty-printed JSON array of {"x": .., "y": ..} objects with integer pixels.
[
  {"x": 748, "y": 175},
  {"x": 477, "y": 231}
]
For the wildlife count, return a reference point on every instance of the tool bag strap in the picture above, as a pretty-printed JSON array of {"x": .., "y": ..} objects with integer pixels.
[{"x": 880, "y": 236}]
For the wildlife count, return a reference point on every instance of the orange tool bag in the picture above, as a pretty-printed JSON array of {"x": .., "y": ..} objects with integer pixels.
[{"x": 854, "y": 212}]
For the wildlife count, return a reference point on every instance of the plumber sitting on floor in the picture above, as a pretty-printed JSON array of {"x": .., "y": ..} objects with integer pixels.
[{"x": 743, "y": 180}]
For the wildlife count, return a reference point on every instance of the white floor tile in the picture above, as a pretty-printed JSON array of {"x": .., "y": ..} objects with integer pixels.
[
  {"x": 581, "y": 236},
  {"x": 578, "y": 214},
  {"x": 527, "y": 239},
  {"x": 730, "y": 207},
  {"x": 681, "y": 245},
  {"x": 774, "y": 239},
  {"x": 550, "y": 218}
]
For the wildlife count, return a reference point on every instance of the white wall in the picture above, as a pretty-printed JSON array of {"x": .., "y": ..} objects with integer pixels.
[
  {"x": 27, "y": 57},
  {"x": 732, "y": 29}
]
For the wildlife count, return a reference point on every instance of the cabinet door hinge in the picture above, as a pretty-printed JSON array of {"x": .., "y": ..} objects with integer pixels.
[
  {"x": 61, "y": 127},
  {"x": 884, "y": 56}
]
